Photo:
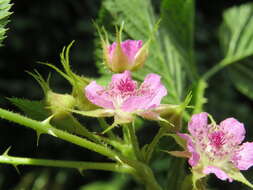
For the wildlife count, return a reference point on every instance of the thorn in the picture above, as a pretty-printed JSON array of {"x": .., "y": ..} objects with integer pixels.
[
  {"x": 7, "y": 151},
  {"x": 38, "y": 137},
  {"x": 109, "y": 128},
  {"x": 81, "y": 172},
  {"x": 165, "y": 121},
  {"x": 16, "y": 168},
  {"x": 47, "y": 120},
  {"x": 119, "y": 160}
]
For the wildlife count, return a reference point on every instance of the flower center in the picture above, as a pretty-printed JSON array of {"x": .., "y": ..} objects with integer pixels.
[
  {"x": 126, "y": 86},
  {"x": 217, "y": 139}
]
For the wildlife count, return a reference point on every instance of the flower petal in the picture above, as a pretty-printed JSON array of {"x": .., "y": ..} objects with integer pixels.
[
  {"x": 243, "y": 159},
  {"x": 95, "y": 94},
  {"x": 218, "y": 172},
  {"x": 198, "y": 125},
  {"x": 153, "y": 89},
  {"x": 135, "y": 103},
  {"x": 194, "y": 159},
  {"x": 131, "y": 47},
  {"x": 233, "y": 129},
  {"x": 149, "y": 96}
]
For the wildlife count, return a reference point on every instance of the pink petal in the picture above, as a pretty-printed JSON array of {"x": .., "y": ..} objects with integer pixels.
[
  {"x": 150, "y": 95},
  {"x": 194, "y": 159},
  {"x": 131, "y": 47},
  {"x": 135, "y": 103},
  {"x": 95, "y": 94},
  {"x": 243, "y": 159},
  {"x": 218, "y": 172},
  {"x": 111, "y": 49},
  {"x": 153, "y": 89},
  {"x": 121, "y": 76},
  {"x": 233, "y": 129},
  {"x": 198, "y": 125}
]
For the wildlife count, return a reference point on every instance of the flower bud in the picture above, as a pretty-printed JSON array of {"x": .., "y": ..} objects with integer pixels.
[
  {"x": 127, "y": 55},
  {"x": 59, "y": 103}
]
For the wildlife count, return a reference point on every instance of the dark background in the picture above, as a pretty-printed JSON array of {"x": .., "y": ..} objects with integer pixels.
[{"x": 37, "y": 32}]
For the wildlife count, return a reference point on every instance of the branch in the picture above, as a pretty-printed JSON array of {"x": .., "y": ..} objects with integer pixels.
[
  {"x": 46, "y": 128},
  {"x": 6, "y": 159}
]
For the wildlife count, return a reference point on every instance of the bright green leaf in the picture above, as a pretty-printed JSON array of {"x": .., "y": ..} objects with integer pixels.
[
  {"x": 236, "y": 33},
  {"x": 242, "y": 76},
  {"x": 4, "y": 16},
  {"x": 34, "y": 109}
]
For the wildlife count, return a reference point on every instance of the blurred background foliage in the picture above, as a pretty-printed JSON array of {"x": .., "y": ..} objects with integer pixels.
[{"x": 37, "y": 32}]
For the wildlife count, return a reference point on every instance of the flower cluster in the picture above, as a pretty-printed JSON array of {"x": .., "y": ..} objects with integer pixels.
[
  {"x": 211, "y": 148},
  {"x": 217, "y": 149}
]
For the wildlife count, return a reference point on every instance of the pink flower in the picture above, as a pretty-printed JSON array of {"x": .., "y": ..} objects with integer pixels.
[
  {"x": 123, "y": 96},
  {"x": 126, "y": 55},
  {"x": 217, "y": 149}
]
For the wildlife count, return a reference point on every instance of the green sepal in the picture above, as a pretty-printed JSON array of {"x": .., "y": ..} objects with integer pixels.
[
  {"x": 173, "y": 113},
  {"x": 180, "y": 141},
  {"x": 237, "y": 175}
]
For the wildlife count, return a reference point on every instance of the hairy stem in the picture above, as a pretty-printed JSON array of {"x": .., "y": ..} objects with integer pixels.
[
  {"x": 6, "y": 159},
  {"x": 134, "y": 142},
  {"x": 46, "y": 128}
]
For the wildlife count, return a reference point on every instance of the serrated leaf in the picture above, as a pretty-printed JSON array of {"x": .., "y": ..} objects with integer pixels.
[
  {"x": 236, "y": 33},
  {"x": 34, "y": 109},
  {"x": 178, "y": 25},
  {"x": 5, "y": 7},
  {"x": 242, "y": 76},
  {"x": 37, "y": 110},
  {"x": 180, "y": 141}
]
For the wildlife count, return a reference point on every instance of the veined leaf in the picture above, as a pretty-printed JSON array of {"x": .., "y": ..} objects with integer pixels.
[
  {"x": 178, "y": 27},
  {"x": 242, "y": 76},
  {"x": 236, "y": 38},
  {"x": 4, "y": 16},
  {"x": 34, "y": 109},
  {"x": 37, "y": 110},
  {"x": 236, "y": 33}
]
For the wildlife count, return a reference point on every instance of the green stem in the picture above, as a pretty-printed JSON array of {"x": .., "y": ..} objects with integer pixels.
[
  {"x": 134, "y": 141},
  {"x": 6, "y": 159},
  {"x": 154, "y": 142},
  {"x": 199, "y": 99},
  {"x": 104, "y": 125},
  {"x": 45, "y": 127},
  {"x": 222, "y": 64}
]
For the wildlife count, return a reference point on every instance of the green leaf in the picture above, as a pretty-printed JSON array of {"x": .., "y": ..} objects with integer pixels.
[
  {"x": 34, "y": 109},
  {"x": 242, "y": 76},
  {"x": 4, "y": 16},
  {"x": 178, "y": 26},
  {"x": 236, "y": 33},
  {"x": 180, "y": 141},
  {"x": 37, "y": 111}
]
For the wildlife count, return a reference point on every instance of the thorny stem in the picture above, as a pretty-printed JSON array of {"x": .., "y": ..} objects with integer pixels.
[
  {"x": 6, "y": 159},
  {"x": 134, "y": 141},
  {"x": 139, "y": 170},
  {"x": 45, "y": 127}
]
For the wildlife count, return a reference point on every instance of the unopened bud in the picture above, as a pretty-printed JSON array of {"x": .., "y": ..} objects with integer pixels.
[
  {"x": 127, "y": 55},
  {"x": 59, "y": 103}
]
